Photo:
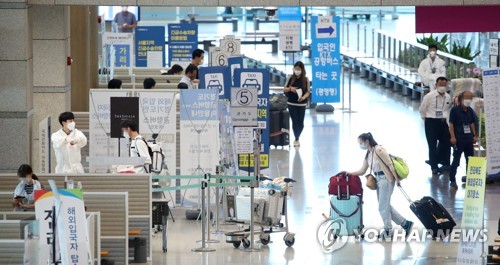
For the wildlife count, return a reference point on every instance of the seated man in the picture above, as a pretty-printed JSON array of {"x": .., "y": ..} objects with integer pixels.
[
  {"x": 187, "y": 79},
  {"x": 431, "y": 68}
]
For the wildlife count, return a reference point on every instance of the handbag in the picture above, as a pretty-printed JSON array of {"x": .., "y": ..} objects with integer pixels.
[{"x": 371, "y": 183}]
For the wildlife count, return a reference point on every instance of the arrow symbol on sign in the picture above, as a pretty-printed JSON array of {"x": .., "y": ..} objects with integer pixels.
[{"x": 328, "y": 30}]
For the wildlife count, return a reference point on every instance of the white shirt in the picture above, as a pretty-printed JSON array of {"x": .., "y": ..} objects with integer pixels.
[
  {"x": 434, "y": 103},
  {"x": 68, "y": 156},
  {"x": 426, "y": 73},
  {"x": 187, "y": 81},
  {"x": 138, "y": 148},
  {"x": 372, "y": 162}
]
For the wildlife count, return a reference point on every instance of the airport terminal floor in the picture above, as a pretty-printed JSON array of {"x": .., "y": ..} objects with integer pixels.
[{"x": 329, "y": 145}]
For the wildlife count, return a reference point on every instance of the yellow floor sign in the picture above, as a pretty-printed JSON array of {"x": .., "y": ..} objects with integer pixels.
[{"x": 244, "y": 158}]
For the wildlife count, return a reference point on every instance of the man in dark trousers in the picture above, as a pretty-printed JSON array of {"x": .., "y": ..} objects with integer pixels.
[
  {"x": 434, "y": 110},
  {"x": 463, "y": 122}
]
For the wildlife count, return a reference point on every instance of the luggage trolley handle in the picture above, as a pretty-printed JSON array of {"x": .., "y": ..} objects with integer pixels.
[
  {"x": 347, "y": 186},
  {"x": 405, "y": 194}
]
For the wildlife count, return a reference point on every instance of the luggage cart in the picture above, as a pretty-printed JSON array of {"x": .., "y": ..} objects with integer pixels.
[
  {"x": 267, "y": 221},
  {"x": 160, "y": 213}
]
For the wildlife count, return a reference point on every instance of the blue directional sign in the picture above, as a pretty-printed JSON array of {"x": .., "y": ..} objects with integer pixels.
[
  {"x": 290, "y": 13},
  {"x": 326, "y": 68},
  {"x": 216, "y": 77},
  {"x": 258, "y": 78}
]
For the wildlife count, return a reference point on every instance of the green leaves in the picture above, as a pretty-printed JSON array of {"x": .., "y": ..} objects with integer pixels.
[
  {"x": 457, "y": 49},
  {"x": 464, "y": 51},
  {"x": 442, "y": 42}
]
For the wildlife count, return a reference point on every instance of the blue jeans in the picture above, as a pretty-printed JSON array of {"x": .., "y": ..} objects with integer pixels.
[{"x": 387, "y": 212}]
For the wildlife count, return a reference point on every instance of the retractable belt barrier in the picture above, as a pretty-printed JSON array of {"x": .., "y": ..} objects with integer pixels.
[{"x": 208, "y": 183}]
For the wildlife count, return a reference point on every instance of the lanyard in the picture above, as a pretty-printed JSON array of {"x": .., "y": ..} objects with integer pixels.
[{"x": 444, "y": 100}]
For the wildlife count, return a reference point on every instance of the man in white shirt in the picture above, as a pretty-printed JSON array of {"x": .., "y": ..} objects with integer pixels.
[
  {"x": 435, "y": 109},
  {"x": 138, "y": 146},
  {"x": 187, "y": 80},
  {"x": 67, "y": 143},
  {"x": 431, "y": 68}
]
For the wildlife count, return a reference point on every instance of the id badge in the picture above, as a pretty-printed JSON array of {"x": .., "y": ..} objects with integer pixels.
[
  {"x": 466, "y": 129},
  {"x": 439, "y": 114}
]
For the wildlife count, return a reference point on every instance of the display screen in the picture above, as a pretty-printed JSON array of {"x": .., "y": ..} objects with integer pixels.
[{"x": 110, "y": 11}]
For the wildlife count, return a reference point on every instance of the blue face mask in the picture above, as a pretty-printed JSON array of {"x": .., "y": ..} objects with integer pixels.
[{"x": 363, "y": 147}]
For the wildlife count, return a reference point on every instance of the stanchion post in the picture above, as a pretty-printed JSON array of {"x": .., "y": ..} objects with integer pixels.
[
  {"x": 342, "y": 68},
  {"x": 347, "y": 24},
  {"x": 357, "y": 33},
  {"x": 254, "y": 183},
  {"x": 203, "y": 219},
  {"x": 350, "y": 89},
  {"x": 209, "y": 212},
  {"x": 364, "y": 39},
  {"x": 217, "y": 200},
  {"x": 373, "y": 42}
]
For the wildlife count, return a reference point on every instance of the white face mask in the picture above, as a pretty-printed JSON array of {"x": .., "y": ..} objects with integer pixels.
[
  {"x": 124, "y": 8},
  {"x": 202, "y": 61},
  {"x": 125, "y": 135},
  {"x": 441, "y": 89},
  {"x": 297, "y": 72},
  {"x": 467, "y": 102},
  {"x": 432, "y": 53},
  {"x": 71, "y": 125}
]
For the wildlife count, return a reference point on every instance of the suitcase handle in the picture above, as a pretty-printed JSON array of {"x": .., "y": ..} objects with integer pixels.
[
  {"x": 347, "y": 186},
  {"x": 405, "y": 194},
  {"x": 342, "y": 214}
]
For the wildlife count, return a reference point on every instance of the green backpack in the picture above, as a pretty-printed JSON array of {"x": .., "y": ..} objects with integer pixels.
[{"x": 400, "y": 167}]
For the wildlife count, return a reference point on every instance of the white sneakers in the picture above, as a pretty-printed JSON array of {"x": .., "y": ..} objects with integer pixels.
[{"x": 296, "y": 144}]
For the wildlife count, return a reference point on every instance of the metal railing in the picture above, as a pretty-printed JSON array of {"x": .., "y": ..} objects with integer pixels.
[{"x": 408, "y": 54}]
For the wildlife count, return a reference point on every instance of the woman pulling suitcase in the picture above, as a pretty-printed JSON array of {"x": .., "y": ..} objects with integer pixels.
[{"x": 380, "y": 163}]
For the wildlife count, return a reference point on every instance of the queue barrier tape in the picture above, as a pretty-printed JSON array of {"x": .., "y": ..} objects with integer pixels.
[
  {"x": 178, "y": 177},
  {"x": 202, "y": 177},
  {"x": 193, "y": 186},
  {"x": 227, "y": 184},
  {"x": 234, "y": 177}
]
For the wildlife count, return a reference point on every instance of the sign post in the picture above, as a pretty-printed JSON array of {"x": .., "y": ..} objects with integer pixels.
[
  {"x": 259, "y": 79},
  {"x": 325, "y": 61},
  {"x": 290, "y": 20}
]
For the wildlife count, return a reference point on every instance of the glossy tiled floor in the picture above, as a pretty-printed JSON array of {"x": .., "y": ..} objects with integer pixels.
[{"x": 328, "y": 145}]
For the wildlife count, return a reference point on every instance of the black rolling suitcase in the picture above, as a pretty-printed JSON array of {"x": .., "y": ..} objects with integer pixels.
[
  {"x": 432, "y": 214},
  {"x": 279, "y": 128}
]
